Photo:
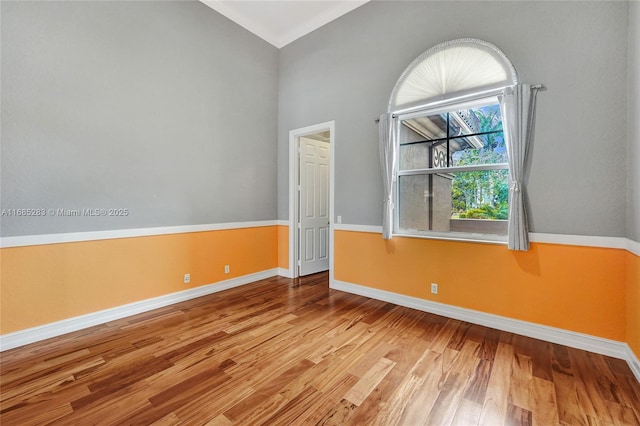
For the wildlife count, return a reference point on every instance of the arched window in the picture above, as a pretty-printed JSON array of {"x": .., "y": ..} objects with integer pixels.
[
  {"x": 450, "y": 69},
  {"x": 451, "y": 160}
]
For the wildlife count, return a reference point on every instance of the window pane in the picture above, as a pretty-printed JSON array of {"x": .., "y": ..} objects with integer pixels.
[
  {"x": 468, "y": 121},
  {"x": 475, "y": 202},
  {"x": 482, "y": 149},
  {"x": 414, "y": 156},
  {"x": 474, "y": 137},
  {"x": 425, "y": 202},
  {"x": 463, "y": 151},
  {"x": 424, "y": 128}
]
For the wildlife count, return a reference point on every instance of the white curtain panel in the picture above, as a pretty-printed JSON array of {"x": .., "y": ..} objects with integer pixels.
[
  {"x": 518, "y": 112},
  {"x": 388, "y": 160}
]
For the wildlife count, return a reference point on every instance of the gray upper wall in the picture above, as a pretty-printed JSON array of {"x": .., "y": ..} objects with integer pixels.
[
  {"x": 167, "y": 109},
  {"x": 345, "y": 71},
  {"x": 633, "y": 114}
]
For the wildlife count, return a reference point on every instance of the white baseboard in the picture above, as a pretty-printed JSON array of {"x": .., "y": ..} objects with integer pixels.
[
  {"x": 35, "y": 334},
  {"x": 550, "y": 334},
  {"x": 572, "y": 339},
  {"x": 285, "y": 273},
  {"x": 634, "y": 362}
]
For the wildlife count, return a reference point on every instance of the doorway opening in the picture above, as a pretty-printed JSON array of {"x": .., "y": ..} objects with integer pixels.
[{"x": 311, "y": 195}]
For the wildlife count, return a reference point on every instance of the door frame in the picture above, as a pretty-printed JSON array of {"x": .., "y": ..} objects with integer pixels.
[{"x": 294, "y": 164}]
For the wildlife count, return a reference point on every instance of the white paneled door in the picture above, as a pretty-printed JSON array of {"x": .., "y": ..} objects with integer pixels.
[{"x": 314, "y": 206}]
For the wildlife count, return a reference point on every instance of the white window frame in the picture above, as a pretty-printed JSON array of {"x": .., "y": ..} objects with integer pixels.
[{"x": 432, "y": 108}]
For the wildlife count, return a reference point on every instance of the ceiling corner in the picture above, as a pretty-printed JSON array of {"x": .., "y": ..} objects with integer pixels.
[{"x": 282, "y": 22}]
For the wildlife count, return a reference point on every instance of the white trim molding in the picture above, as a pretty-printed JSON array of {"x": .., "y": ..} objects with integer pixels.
[
  {"x": 634, "y": 362},
  {"x": 620, "y": 243},
  {"x": 579, "y": 240},
  {"x": 74, "y": 237},
  {"x": 358, "y": 228},
  {"x": 284, "y": 272},
  {"x": 35, "y": 334},
  {"x": 298, "y": 22},
  {"x": 294, "y": 137},
  {"x": 572, "y": 339},
  {"x": 633, "y": 247}
]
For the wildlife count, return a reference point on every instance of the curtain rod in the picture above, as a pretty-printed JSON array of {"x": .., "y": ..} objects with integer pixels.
[{"x": 540, "y": 87}]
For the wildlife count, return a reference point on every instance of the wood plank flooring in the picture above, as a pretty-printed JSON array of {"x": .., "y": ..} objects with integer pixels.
[{"x": 282, "y": 351}]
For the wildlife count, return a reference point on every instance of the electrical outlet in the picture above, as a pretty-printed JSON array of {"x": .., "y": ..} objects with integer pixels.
[
  {"x": 226, "y": 269},
  {"x": 339, "y": 219},
  {"x": 187, "y": 278},
  {"x": 434, "y": 288}
]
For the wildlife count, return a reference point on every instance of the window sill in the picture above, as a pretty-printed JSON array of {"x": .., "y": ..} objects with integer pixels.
[{"x": 454, "y": 236}]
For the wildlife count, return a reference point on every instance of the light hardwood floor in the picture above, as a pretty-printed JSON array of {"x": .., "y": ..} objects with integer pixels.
[{"x": 283, "y": 351}]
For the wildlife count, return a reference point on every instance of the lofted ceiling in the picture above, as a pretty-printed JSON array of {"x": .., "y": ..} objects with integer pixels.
[{"x": 281, "y": 22}]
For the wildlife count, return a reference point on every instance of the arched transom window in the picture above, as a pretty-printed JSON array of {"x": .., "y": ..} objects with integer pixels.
[{"x": 450, "y": 69}]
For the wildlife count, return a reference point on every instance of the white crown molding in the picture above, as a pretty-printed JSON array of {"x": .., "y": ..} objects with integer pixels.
[
  {"x": 291, "y": 29},
  {"x": 73, "y": 237},
  {"x": 317, "y": 21},
  {"x": 572, "y": 339},
  {"x": 35, "y": 334},
  {"x": 244, "y": 21}
]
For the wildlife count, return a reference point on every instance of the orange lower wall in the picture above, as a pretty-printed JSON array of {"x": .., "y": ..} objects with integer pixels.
[
  {"x": 283, "y": 247},
  {"x": 570, "y": 287},
  {"x": 47, "y": 283},
  {"x": 589, "y": 290},
  {"x": 633, "y": 303}
]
